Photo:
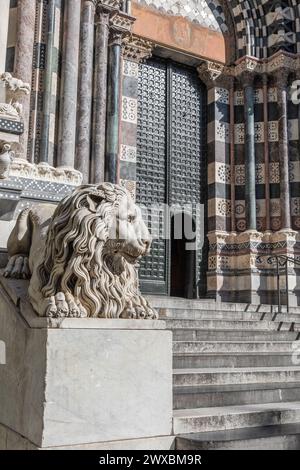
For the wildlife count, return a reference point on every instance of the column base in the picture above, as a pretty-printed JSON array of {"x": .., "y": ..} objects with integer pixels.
[{"x": 241, "y": 269}]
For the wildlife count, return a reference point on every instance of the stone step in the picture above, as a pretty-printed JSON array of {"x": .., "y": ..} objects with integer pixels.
[
  {"x": 233, "y": 325},
  {"x": 234, "y": 346},
  {"x": 164, "y": 302},
  {"x": 200, "y": 334},
  {"x": 185, "y": 397},
  {"x": 235, "y": 417},
  {"x": 215, "y": 376},
  {"x": 276, "y": 437},
  {"x": 183, "y": 314},
  {"x": 232, "y": 360}
]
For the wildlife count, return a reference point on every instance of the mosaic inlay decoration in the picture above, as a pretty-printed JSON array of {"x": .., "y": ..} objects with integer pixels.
[
  {"x": 208, "y": 13},
  {"x": 262, "y": 27}
]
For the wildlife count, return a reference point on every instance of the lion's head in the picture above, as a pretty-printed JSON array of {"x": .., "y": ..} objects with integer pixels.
[{"x": 94, "y": 241}]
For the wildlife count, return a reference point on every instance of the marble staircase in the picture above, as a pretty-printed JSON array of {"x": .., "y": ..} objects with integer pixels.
[{"x": 236, "y": 377}]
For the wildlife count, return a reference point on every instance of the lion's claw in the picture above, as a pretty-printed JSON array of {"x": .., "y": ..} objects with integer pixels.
[
  {"x": 62, "y": 306},
  {"x": 17, "y": 267},
  {"x": 139, "y": 313}
]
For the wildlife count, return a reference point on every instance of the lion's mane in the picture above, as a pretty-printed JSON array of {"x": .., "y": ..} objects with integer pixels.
[{"x": 75, "y": 259}]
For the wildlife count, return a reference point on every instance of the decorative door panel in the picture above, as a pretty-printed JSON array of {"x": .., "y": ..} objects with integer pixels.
[
  {"x": 170, "y": 155},
  {"x": 152, "y": 167}
]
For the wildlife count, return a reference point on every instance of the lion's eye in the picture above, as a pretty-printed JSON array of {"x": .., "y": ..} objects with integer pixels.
[{"x": 131, "y": 218}]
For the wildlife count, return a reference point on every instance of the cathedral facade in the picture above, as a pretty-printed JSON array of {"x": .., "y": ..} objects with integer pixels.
[{"x": 192, "y": 105}]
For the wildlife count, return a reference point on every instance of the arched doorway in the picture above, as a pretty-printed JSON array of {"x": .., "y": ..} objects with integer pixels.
[
  {"x": 171, "y": 167},
  {"x": 183, "y": 281}
]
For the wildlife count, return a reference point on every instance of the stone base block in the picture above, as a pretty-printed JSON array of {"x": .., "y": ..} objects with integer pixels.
[
  {"x": 10, "y": 440},
  {"x": 253, "y": 287},
  {"x": 77, "y": 382}
]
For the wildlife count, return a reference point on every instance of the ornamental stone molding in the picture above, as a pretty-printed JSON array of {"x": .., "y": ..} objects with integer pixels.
[
  {"x": 121, "y": 21},
  {"x": 110, "y": 4},
  {"x": 214, "y": 73},
  {"x": 137, "y": 49},
  {"x": 42, "y": 171}
]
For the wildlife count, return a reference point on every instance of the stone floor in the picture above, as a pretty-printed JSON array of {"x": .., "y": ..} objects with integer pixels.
[{"x": 235, "y": 385}]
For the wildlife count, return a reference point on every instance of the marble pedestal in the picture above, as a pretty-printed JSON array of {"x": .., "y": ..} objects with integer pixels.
[
  {"x": 240, "y": 269},
  {"x": 82, "y": 383}
]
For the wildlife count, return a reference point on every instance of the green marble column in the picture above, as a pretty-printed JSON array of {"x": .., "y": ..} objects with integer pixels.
[
  {"x": 85, "y": 89},
  {"x": 69, "y": 88},
  {"x": 113, "y": 107},
  {"x": 250, "y": 192},
  {"x": 51, "y": 67},
  {"x": 100, "y": 94}
]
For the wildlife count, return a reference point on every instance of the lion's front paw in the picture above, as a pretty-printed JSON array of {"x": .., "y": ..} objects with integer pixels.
[
  {"x": 139, "y": 313},
  {"x": 17, "y": 267},
  {"x": 64, "y": 305}
]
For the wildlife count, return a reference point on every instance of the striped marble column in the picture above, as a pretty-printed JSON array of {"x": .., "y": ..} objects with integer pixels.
[
  {"x": 282, "y": 89},
  {"x": 218, "y": 146},
  {"x": 85, "y": 91},
  {"x": 68, "y": 92},
  {"x": 266, "y": 150},
  {"x": 250, "y": 170},
  {"x": 24, "y": 60}
]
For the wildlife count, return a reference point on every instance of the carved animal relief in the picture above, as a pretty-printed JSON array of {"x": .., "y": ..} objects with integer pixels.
[{"x": 81, "y": 256}]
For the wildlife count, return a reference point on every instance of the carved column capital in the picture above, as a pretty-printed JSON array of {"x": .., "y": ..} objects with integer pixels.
[
  {"x": 108, "y": 4},
  {"x": 215, "y": 74},
  {"x": 136, "y": 49},
  {"x": 115, "y": 38},
  {"x": 246, "y": 79}
]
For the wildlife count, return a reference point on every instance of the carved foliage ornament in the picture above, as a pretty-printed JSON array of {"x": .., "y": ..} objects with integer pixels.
[
  {"x": 136, "y": 49},
  {"x": 113, "y": 4},
  {"x": 43, "y": 171},
  {"x": 214, "y": 73}
]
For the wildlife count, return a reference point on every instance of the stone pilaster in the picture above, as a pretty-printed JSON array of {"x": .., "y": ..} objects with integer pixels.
[
  {"x": 266, "y": 149},
  {"x": 282, "y": 90},
  {"x": 68, "y": 95},
  {"x": 85, "y": 91},
  {"x": 218, "y": 140},
  {"x": 250, "y": 190},
  {"x": 24, "y": 60},
  {"x": 135, "y": 50}
]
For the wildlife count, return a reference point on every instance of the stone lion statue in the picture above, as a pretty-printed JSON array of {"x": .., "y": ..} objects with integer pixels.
[{"x": 81, "y": 256}]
